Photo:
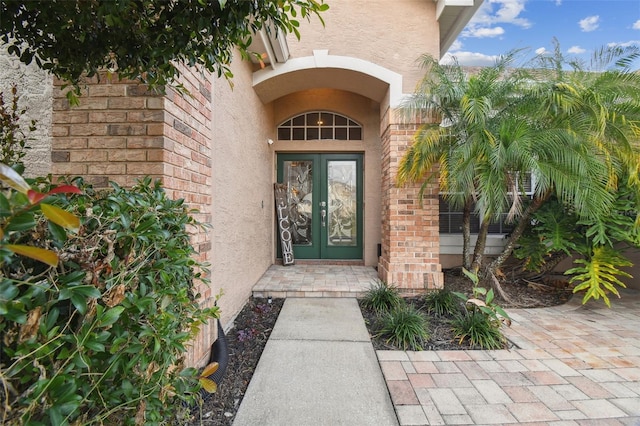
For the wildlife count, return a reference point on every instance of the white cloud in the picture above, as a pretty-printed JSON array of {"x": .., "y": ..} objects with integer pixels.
[
  {"x": 590, "y": 23},
  {"x": 470, "y": 59},
  {"x": 541, "y": 51},
  {"x": 509, "y": 12},
  {"x": 558, "y": 2},
  {"x": 625, "y": 43},
  {"x": 456, "y": 45},
  {"x": 636, "y": 25},
  {"x": 576, "y": 50},
  {"x": 484, "y": 32},
  {"x": 485, "y": 22}
]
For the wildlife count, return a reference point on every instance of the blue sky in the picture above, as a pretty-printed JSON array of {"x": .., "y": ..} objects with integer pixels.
[{"x": 581, "y": 26}]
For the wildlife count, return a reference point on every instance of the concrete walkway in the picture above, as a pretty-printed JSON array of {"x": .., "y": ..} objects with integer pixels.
[
  {"x": 575, "y": 365},
  {"x": 318, "y": 368}
]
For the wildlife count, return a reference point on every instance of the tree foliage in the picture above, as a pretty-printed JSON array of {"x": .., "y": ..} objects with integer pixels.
[
  {"x": 142, "y": 39},
  {"x": 575, "y": 128}
]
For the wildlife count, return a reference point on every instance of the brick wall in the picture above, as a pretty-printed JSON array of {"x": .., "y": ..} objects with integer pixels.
[
  {"x": 188, "y": 175},
  {"x": 122, "y": 132},
  {"x": 116, "y": 133},
  {"x": 410, "y": 239}
]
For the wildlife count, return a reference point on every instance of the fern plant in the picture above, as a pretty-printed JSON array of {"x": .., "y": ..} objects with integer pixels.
[
  {"x": 552, "y": 236},
  {"x": 599, "y": 274},
  {"x": 598, "y": 244}
]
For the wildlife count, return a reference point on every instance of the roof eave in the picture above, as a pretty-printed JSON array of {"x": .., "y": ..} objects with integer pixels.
[{"x": 453, "y": 16}]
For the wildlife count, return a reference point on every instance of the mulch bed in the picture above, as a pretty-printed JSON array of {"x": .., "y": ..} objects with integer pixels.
[
  {"x": 255, "y": 322},
  {"x": 246, "y": 341}
]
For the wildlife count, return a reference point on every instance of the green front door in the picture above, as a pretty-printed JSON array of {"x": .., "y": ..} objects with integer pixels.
[{"x": 324, "y": 195}]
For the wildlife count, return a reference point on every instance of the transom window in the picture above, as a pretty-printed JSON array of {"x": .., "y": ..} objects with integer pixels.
[{"x": 319, "y": 125}]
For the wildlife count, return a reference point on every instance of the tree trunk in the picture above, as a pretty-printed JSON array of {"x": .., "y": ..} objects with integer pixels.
[
  {"x": 492, "y": 269},
  {"x": 481, "y": 245},
  {"x": 497, "y": 287},
  {"x": 466, "y": 234},
  {"x": 517, "y": 233}
]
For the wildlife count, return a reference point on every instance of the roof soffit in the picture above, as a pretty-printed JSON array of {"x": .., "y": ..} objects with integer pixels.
[{"x": 453, "y": 16}]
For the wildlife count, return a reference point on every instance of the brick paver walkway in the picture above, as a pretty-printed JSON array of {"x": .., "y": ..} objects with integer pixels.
[
  {"x": 575, "y": 365},
  {"x": 315, "y": 281}
]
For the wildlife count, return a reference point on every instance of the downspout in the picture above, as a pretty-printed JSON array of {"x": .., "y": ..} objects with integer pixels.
[{"x": 219, "y": 354}]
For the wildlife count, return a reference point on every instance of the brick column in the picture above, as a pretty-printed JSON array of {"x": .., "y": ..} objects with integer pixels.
[
  {"x": 122, "y": 132},
  {"x": 410, "y": 238}
]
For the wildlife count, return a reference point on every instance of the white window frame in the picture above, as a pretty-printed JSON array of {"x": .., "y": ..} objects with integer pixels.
[
  {"x": 452, "y": 242},
  {"x": 320, "y": 125}
]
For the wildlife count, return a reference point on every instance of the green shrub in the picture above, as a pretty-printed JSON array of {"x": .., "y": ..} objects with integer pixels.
[
  {"x": 382, "y": 297},
  {"x": 479, "y": 329},
  {"x": 442, "y": 302},
  {"x": 101, "y": 338},
  {"x": 481, "y": 321},
  {"x": 405, "y": 327}
]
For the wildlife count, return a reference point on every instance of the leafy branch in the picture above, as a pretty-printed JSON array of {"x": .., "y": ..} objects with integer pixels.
[{"x": 142, "y": 39}]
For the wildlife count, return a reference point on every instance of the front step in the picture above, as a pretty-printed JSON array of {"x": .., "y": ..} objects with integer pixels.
[{"x": 315, "y": 280}]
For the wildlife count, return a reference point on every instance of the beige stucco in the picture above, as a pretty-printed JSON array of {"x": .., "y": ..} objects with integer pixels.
[
  {"x": 34, "y": 89},
  {"x": 242, "y": 221},
  {"x": 391, "y": 34}
]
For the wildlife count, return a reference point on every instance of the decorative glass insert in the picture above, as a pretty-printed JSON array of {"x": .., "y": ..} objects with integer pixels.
[
  {"x": 341, "y": 187},
  {"x": 319, "y": 125},
  {"x": 298, "y": 175}
]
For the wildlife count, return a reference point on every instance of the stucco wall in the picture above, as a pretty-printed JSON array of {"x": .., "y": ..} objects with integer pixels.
[
  {"x": 633, "y": 256},
  {"x": 34, "y": 89},
  {"x": 364, "y": 111},
  {"x": 392, "y": 34},
  {"x": 243, "y": 207}
]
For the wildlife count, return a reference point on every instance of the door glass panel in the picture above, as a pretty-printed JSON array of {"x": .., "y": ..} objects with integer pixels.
[
  {"x": 341, "y": 218},
  {"x": 298, "y": 176}
]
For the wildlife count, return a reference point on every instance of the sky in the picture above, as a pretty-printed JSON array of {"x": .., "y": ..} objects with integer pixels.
[{"x": 580, "y": 26}]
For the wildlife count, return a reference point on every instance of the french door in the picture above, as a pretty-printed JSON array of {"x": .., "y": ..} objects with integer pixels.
[{"x": 324, "y": 197}]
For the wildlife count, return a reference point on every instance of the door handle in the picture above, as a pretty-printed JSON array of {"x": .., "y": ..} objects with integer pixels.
[{"x": 323, "y": 213}]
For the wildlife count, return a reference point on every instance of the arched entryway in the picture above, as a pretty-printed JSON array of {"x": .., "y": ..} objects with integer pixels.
[{"x": 399, "y": 236}]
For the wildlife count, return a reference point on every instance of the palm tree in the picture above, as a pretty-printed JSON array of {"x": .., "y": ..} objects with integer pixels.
[
  {"x": 575, "y": 130},
  {"x": 464, "y": 109}
]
